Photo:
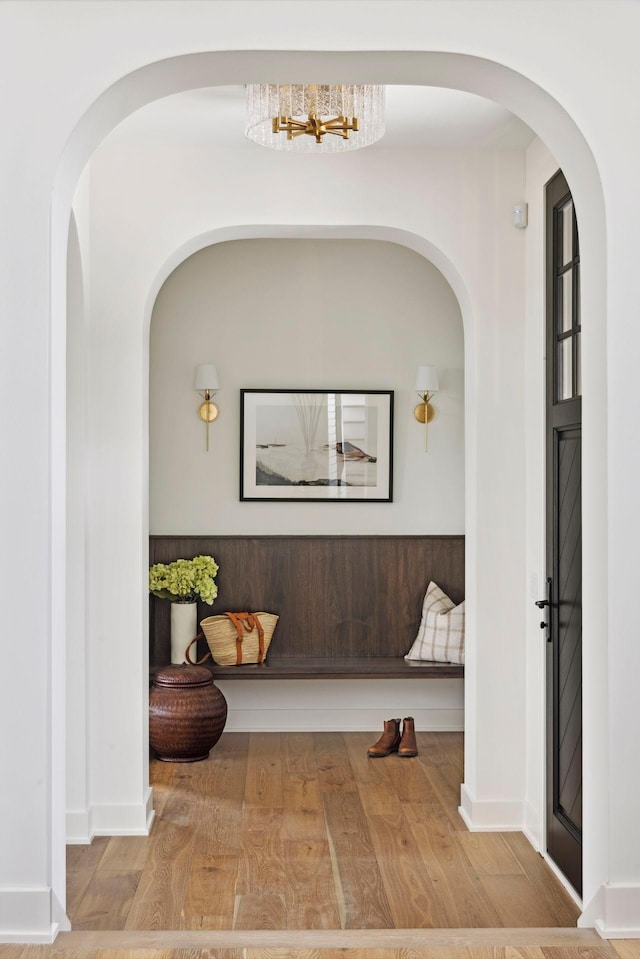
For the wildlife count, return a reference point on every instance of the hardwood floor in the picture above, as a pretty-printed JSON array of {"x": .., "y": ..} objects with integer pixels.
[
  {"x": 584, "y": 945},
  {"x": 303, "y": 831},
  {"x": 298, "y": 845}
]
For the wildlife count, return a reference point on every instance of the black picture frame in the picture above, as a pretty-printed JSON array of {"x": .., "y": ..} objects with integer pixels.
[{"x": 316, "y": 446}]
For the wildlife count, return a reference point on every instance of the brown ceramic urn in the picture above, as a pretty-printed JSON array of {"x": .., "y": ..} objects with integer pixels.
[{"x": 187, "y": 714}]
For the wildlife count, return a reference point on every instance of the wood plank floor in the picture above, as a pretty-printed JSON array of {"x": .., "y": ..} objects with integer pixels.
[
  {"x": 298, "y": 845},
  {"x": 302, "y": 831},
  {"x": 586, "y": 945},
  {"x": 372, "y": 944}
]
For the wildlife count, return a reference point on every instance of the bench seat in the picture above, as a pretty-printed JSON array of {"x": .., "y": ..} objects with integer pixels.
[{"x": 312, "y": 667}]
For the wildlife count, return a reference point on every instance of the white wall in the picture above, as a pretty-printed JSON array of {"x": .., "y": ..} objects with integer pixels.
[
  {"x": 56, "y": 65},
  {"x": 77, "y": 552},
  {"x": 317, "y": 314},
  {"x": 541, "y": 166},
  {"x": 149, "y": 210}
]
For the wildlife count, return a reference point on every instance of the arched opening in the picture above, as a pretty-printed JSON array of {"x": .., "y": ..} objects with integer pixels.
[{"x": 571, "y": 151}]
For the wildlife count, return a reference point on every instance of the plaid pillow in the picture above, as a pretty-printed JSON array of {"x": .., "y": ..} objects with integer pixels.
[{"x": 440, "y": 638}]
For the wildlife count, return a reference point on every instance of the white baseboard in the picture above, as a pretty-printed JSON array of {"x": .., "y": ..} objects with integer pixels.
[
  {"x": 110, "y": 819},
  {"x": 345, "y": 720},
  {"x": 533, "y": 827},
  {"x": 78, "y": 827},
  {"x": 614, "y": 911},
  {"x": 25, "y": 916},
  {"x": 361, "y": 705},
  {"x": 491, "y": 816},
  {"x": 59, "y": 916}
]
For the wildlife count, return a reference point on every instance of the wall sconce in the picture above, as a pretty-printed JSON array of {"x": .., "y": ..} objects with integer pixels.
[
  {"x": 426, "y": 386},
  {"x": 206, "y": 383}
]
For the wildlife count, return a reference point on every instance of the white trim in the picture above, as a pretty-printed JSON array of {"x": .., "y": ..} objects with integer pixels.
[
  {"x": 533, "y": 827},
  {"x": 491, "y": 816},
  {"x": 29, "y": 912},
  {"x": 337, "y": 720},
  {"x": 115, "y": 819},
  {"x": 58, "y": 915},
  {"x": 78, "y": 826},
  {"x": 614, "y": 911}
]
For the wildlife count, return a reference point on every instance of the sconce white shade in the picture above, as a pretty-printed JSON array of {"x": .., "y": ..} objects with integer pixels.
[
  {"x": 206, "y": 377},
  {"x": 427, "y": 379}
]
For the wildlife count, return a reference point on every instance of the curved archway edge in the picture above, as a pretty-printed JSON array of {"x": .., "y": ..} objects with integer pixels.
[{"x": 492, "y": 80}]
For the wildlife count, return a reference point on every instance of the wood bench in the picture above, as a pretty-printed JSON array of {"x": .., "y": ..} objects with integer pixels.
[
  {"x": 340, "y": 667},
  {"x": 349, "y": 606}
]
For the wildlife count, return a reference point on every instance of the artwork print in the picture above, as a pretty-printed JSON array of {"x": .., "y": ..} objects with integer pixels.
[{"x": 316, "y": 445}]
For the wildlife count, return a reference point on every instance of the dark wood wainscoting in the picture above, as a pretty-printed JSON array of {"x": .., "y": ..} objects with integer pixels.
[{"x": 337, "y": 596}]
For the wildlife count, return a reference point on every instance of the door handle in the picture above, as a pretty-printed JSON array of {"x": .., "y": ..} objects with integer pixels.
[{"x": 541, "y": 604}]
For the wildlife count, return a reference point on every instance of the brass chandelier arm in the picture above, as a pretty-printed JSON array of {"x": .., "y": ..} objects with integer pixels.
[{"x": 315, "y": 126}]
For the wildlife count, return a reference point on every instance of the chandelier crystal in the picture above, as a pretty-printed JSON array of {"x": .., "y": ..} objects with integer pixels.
[{"x": 314, "y": 118}]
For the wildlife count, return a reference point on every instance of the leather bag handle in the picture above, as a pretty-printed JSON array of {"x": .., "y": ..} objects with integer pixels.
[
  {"x": 247, "y": 622},
  {"x": 188, "y": 657}
]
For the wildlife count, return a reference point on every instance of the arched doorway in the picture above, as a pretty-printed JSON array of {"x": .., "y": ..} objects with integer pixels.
[{"x": 422, "y": 68}]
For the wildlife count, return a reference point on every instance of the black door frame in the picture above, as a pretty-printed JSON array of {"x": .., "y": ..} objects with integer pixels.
[{"x": 563, "y": 432}]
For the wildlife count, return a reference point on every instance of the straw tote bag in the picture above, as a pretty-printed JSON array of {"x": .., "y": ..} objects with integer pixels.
[{"x": 237, "y": 638}]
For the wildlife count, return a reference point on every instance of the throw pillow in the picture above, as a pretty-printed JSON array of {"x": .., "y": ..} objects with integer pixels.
[{"x": 440, "y": 638}]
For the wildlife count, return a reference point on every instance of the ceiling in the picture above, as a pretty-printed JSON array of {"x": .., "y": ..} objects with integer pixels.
[{"x": 417, "y": 117}]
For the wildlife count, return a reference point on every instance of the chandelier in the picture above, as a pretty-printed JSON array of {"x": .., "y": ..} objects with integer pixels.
[{"x": 314, "y": 118}]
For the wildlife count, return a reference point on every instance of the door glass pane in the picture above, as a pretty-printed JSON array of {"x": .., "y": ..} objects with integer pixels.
[
  {"x": 566, "y": 232},
  {"x": 565, "y": 313},
  {"x": 579, "y": 364},
  {"x": 565, "y": 368}
]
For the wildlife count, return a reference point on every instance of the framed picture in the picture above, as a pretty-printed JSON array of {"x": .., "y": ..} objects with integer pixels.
[{"x": 316, "y": 446}]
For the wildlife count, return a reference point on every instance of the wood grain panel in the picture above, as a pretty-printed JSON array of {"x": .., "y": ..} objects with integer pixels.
[
  {"x": 107, "y": 901},
  {"x": 627, "y": 948},
  {"x": 489, "y": 854},
  {"x": 82, "y": 862},
  {"x": 310, "y": 895},
  {"x": 211, "y": 889},
  {"x": 460, "y": 896},
  {"x": 303, "y": 812},
  {"x": 410, "y": 890},
  {"x": 365, "y": 901},
  {"x": 517, "y": 901},
  {"x": 219, "y": 815},
  {"x": 335, "y": 773},
  {"x": 262, "y": 868},
  {"x": 160, "y": 894},
  {"x": 564, "y": 910},
  {"x": 601, "y": 951},
  {"x": 337, "y": 596},
  {"x": 261, "y": 910}
]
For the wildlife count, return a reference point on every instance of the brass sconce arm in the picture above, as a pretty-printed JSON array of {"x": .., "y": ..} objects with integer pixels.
[
  {"x": 205, "y": 384},
  {"x": 426, "y": 386},
  {"x": 424, "y": 411}
]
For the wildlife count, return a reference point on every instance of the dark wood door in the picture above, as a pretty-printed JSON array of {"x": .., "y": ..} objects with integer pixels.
[{"x": 563, "y": 612}]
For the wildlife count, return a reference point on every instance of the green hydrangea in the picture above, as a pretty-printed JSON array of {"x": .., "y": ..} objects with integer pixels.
[{"x": 185, "y": 580}]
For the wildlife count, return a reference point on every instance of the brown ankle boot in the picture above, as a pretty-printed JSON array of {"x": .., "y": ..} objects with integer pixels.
[
  {"x": 388, "y": 742},
  {"x": 408, "y": 745}
]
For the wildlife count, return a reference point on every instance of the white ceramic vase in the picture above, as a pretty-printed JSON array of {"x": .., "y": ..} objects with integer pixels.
[{"x": 184, "y": 628}]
